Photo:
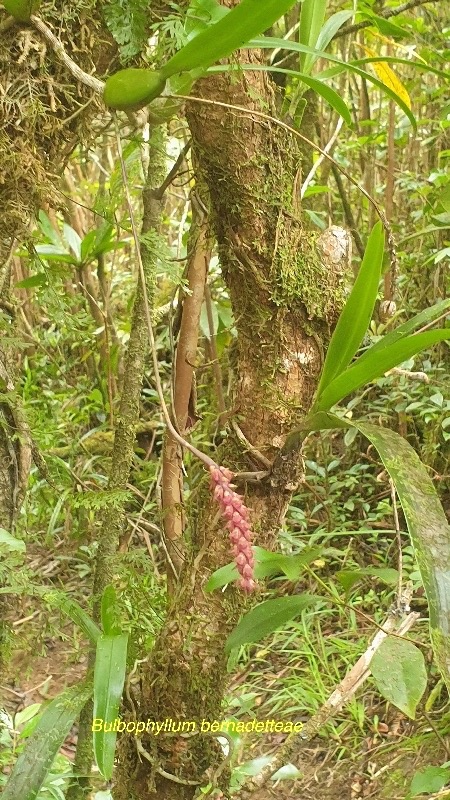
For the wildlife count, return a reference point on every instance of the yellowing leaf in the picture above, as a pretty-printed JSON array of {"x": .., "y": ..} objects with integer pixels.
[{"x": 388, "y": 77}]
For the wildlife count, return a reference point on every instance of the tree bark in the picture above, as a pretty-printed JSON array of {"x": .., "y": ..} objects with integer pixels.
[{"x": 284, "y": 301}]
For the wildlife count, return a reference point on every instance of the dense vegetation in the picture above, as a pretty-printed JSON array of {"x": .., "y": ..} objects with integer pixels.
[{"x": 172, "y": 279}]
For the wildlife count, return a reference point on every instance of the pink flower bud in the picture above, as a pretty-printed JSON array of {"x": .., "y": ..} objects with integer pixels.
[{"x": 236, "y": 514}]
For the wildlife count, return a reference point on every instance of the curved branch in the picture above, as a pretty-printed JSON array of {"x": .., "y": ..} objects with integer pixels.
[{"x": 89, "y": 80}]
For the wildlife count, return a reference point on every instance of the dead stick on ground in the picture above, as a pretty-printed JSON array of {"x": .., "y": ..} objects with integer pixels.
[{"x": 342, "y": 694}]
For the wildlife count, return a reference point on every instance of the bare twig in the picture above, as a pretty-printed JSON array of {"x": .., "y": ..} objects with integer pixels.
[
  {"x": 177, "y": 436},
  {"x": 387, "y": 13},
  {"x": 57, "y": 47},
  {"x": 342, "y": 694},
  {"x": 199, "y": 254}
]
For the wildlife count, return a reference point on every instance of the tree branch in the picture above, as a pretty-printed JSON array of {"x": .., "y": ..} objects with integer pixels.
[{"x": 387, "y": 13}]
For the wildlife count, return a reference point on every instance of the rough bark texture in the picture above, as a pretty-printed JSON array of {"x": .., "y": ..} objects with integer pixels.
[{"x": 284, "y": 301}]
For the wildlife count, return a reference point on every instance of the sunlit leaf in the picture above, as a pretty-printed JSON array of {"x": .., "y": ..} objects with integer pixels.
[
  {"x": 388, "y": 77},
  {"x": 9, "y": 542}
]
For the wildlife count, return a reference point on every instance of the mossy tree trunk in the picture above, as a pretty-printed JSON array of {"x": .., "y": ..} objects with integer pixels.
[
  {"x": 285, "y": 300},
  {"x": 43, "y": 113}
]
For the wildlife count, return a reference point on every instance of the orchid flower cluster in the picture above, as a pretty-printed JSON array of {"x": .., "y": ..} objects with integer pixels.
[{"x": 236, "y": 514}]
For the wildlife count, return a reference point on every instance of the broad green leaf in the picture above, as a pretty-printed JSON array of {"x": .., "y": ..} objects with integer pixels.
[
  {"x": 291, "y": 565},
  {"x": 348, "y": 577},
  {"x": 40, "y": 749},
  {"x": 283, "y": 44},
  {"x": 9, "y": 542},
  {"x": 55, "y": 252},
  {"x": 385, "y": 27},
  {"x": 427, "y": 526},
  {"x": 398, "y": 668},
  {"x": 32, "y": 281},
  {"x": 369, "y": 368},
  {"x": 202, "y": 14},
  {"x": 109, "y": 678},
  {"x": 88, "y": 245},
  {"x": 76, "y": 613},
  {"x": 73, "y": 240},
  {"x": 222, "y": 577},
  {"x": 267, "y": 563},
  {"x": 357, "y": 312},
  {"x": 423, "y": 318},
  {"x": 244, "y": 21},
  {"x": 267, "y": 617},
  {"x": 48, "y": 230},
  {"x": 321, "y": 88},
  {"x": 430, "y": 780},
  {"x": 109, "y": 612},
  {"x": 312, "y": 16}
]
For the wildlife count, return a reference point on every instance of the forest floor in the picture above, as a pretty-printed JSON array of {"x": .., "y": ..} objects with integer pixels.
[{"x": 373, "y": 757}]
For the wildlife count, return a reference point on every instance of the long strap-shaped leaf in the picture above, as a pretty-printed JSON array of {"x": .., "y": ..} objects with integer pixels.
[
  {"x": 425, "y": 316},
  {"x": 425, "y": 519},
  {"x": 109, "y": 678},
  {"x": 246, "y": 20},
  {"x": 356, "y": 315},
  {"x": 319, "y": 87},
  {"x": 283, "y": 44},
  {"x": 373, "y": 365},
  {"x": 41, "y": 748},
  {"x": 312, "y": 16}
]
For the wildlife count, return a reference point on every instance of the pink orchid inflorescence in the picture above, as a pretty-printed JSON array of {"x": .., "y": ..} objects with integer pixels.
[{"x": 236, "y": 513}]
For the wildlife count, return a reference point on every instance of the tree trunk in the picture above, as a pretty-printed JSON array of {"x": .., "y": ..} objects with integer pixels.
[{"x": 284, "y": 301}]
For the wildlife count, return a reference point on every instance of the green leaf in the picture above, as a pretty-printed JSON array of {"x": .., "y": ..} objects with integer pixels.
[
  {"x": 109, "y": 612},
  {"x": 284, "y": 44},
  {"x": 244, "y": 21},
  {"x": 425, "y": 519},
  {"x": 48, "y": 229},
  {"x": 385, "y": 27},
  {"x": 429, "y": 780},
  {"x": 266, "y": 618},
  {"x": 330, "y": 28},
  {"x": 348, "y": 577},
  {"x": 373, "y": 365},
  {"x": 423, "y": 318},
  {"x": 357, "y": 312},
  {"x": 73, "y": 240},
  {"x": 267, "y": 563},
  {"x": 40, "y": 749},
  {"x": 398, "y": 668},
  {"x": 9, "y": 542},
  {"x": 321, "y": 88},
  {"x": 88, "y": 245},
  {"x": 109, "y": 678},
  {"x": 33, "y": 281},
  {"x": 55, "y": 252},
  {"x": 312, "y": 16},
  {"x": 76, "y": 613}
]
